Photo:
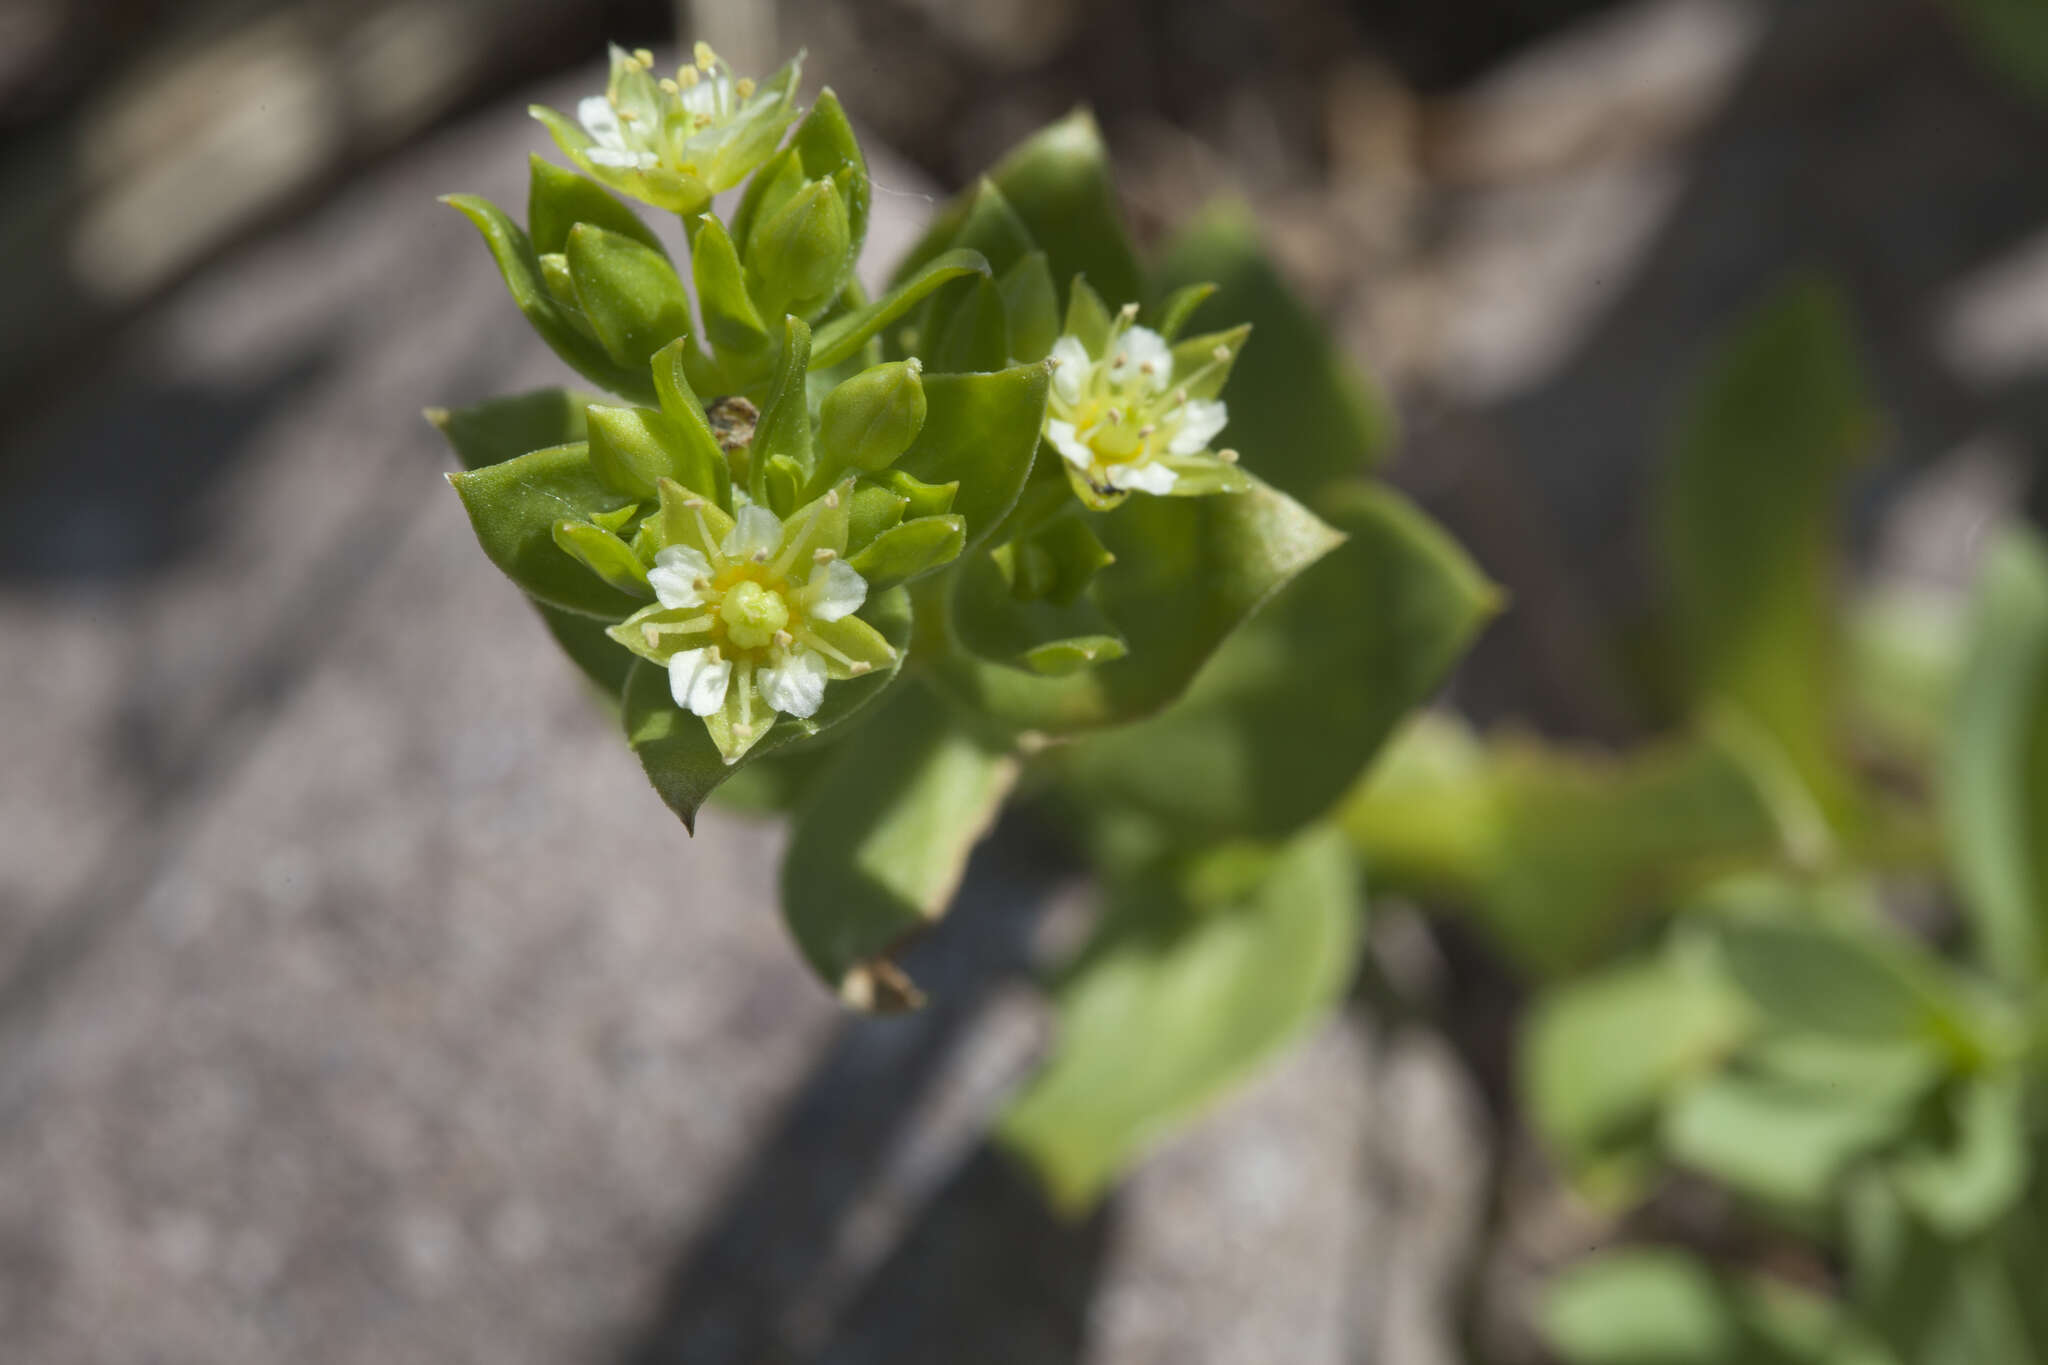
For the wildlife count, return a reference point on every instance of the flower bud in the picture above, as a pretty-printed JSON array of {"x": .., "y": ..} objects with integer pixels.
[
  {"x": 870, "y": 420},
  {"x": 796, "y": 258}
]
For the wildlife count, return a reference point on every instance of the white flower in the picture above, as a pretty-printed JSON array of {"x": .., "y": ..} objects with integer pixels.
[
  {"x": 674, "y": 141},
  {"x": 753, "y": 616},
  {"x": 1125, "y": 422}
]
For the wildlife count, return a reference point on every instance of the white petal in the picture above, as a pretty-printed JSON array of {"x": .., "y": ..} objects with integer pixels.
[
  {"x": 796, "y": 685},
  {"x": 835, "y": 591},
  {"x": 675, "y": 574},
  {"x": 1070, "y": 370},
  {"x": 757, "y": 533},
  {"x": 600, "y": 120},
  {"x": 1141, "y": 347},
  {"x": 1068, "y": 444},
  {"x": 619, "y": 159},
  {"x": 1200, "y": 420},
  {"x": 697, "y": 679},
  {"x": 1150, "y": 477}
]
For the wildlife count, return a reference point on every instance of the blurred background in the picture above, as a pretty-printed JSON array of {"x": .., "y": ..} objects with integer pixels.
[{"x": 350, "y": 1008}]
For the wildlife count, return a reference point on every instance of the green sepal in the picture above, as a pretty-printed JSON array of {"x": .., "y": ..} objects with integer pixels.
[
  {"x": 872, "y": 510},
  {"x": 604, "y": 554},
  {"x": 910, "y": 550},
  {"x": 1180, "y": 305},
  {"x": 500, "y": 429},
  {"x": 1208, "y": 360},
  {"x": 840, "y": 339},
  {"x": 867, "y": 422},
  {"x": 557, "y": 200},
  {"x": 514, "y": 506},
  {"x": 1088, "y": 317},
  {"x": 782, "y": 484},
  {"x": 676, "y": 749},
  {"x": 521, "y": 268},
  {"x": 731, "y": 323},
  {"x": 785, "y": 425},
  {"x": 881, "y": 841},
  {"x": 922, "y": 499}
]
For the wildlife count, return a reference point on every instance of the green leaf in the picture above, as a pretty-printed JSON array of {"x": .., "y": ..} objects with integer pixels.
[
  {"x": 975, "y": 335},
  {"x": 501, "y": 429},
  {"x": 629, "y": 293},
  {"x": 840, "y": 339},
  {"x": 1281, "y": 722},
  {"x": 881, "y": 842},
  {"x": 1602, "y": 1054},
  {"x": 1057, "y": 183},
  {"x": 700, "y": 458},
  {"x": 1640, "y": 1307},
  {"x": 519, "y": 263},
  {"x": 1810, "y": 968},
  {"x": 1552, "y": 849},
  {"x": 980, "y": 430},
  {"x": 604, "y": 554},
  {"x": 1749, "y": 525},
  {"x": 1189, "y": 983},
  {"x": 633, "y": 449},
  {"x": 1300, "y": 412},
  {"x": 1994, "y": 789},
  {"x": 1188, "y": 572},
  {"x": 676, "y": 750},
  {"x": 559, "y": 199},
  {"x": 1782, "y": 1144},
  {"x": 1031, "y": 308},
  {"x": 1964, "y": 1184},
  {"x": 514, "y": 507}
]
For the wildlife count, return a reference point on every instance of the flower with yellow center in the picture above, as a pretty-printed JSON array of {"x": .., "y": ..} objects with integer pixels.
[
  {"x": 675, "y": 141},
  {"x": 1125, "y": 422},
  {"x": 753, "y": 615}
]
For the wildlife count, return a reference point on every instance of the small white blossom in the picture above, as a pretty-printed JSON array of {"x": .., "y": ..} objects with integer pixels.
[
  {"x": 674, "y": 141},
  {"x": 753, "y": 615},
  {"x": 1125, "y": 422}
]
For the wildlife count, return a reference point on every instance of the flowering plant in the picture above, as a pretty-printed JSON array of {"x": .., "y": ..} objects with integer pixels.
[{"x": 868, "y": 559}]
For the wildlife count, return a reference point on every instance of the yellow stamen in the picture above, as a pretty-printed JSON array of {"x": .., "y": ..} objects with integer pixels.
[
  {"x": 644, "y": 57},
  {"x": 706, "y": 58},
  {"x": 744, "y": 87},
  {"x": 669, "y": 87},
  {"x": 687, "y": 77}
]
